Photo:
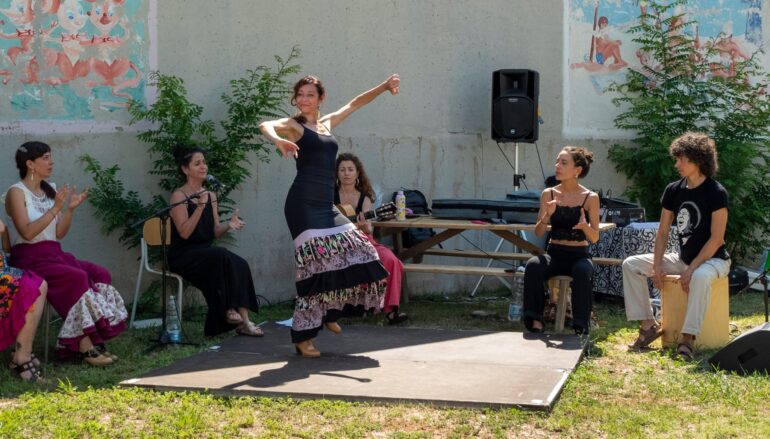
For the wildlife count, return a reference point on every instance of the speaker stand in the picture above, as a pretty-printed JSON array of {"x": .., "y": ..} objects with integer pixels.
[{"x": 516, "y": 176}]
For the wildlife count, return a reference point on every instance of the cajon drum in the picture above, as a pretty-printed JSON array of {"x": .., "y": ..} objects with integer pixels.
[{"x": 715, "y": 331}]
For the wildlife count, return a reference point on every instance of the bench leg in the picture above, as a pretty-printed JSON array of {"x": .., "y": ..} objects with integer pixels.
[{"x": 404, "y": 289}]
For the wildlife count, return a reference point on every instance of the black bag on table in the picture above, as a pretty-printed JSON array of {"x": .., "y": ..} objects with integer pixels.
[{"x": 418, "y": 204}]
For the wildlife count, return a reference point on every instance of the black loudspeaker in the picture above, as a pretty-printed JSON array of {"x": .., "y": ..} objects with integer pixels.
[
  {"x": 514, "y": 105},
  {"x": 746, "y": 354}
]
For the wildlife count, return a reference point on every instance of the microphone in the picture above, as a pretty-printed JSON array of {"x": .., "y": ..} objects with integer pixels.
[{"x": 214, "y": 182}]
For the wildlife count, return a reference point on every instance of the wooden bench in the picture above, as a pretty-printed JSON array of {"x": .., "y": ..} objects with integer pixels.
[
  {"x": 460, "y": 269},
  {"x": 504, "y": 255},
  {"x": 715, "y": 331}
]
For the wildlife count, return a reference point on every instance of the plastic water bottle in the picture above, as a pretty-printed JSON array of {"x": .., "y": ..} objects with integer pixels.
[
  {"x": 173, "y": 330},
  {"x": 400, "y": 205},
  {"x": 519, "y": 282},
  {"x": 515, "y": 308}
]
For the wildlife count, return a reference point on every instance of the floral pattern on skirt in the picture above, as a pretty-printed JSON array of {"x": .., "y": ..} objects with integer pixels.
[
  {"x": 360, "y": 254},
  {"x": 100, "y": 315},
  {"x": 322, "y": 248}
]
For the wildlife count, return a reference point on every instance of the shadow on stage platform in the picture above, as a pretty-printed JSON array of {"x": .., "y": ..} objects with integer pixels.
[{"x": 387, "y": 364}]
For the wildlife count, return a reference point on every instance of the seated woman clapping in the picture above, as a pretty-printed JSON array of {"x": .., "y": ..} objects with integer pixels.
[
  {"x": 572, "y": 210},
  {"x": 80, "y": 292},
  {"x": 223, "y": 277},
  {"x": 354, "y": 189},
  {"x": 22, "y": 298}
]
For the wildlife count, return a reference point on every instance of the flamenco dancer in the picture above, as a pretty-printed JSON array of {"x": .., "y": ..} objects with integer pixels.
[{"x": 338, "y": 271}]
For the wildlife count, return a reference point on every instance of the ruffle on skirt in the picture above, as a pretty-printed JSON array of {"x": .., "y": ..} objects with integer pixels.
[
  {"x": 339, "y": 270},
  {"x": 309, "y": 312},
  {"x": 100, "y": 315}
]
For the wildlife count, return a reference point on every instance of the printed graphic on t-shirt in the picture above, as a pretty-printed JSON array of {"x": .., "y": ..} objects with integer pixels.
[{"x": 687, "y": 220}]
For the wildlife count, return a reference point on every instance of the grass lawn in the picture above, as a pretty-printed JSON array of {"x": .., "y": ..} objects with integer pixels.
[{"x": 613, "y": 393}]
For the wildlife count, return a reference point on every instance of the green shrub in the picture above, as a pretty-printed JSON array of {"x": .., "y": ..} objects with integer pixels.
[{"x": 175, "y": 120}]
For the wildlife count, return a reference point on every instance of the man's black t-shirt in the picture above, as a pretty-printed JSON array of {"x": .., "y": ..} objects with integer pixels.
[{"x": 692, "y": 214}]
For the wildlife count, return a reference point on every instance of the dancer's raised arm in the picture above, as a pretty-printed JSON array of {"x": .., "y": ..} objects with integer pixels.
[
  {"x": 391, "y": 84},
  {"x": 283, "y": 133}
]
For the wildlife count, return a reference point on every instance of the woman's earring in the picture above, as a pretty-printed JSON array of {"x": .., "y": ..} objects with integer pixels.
[
  {"x": 357, "y": 182},
  {"x": 32, "y": 176},
  {"x": 338, "y": 183}
]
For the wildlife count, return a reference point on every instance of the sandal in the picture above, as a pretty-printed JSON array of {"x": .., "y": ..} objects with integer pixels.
[
  {"x": 249, "y": 329},
  {"x": 647, "y": 336},
  {"x": 685, "y": 351},
  {"x": 394, "y": 317},
  {"x": 34, "y": 359},
  {"x": 96, "y": 358},
  {"x": 232, "y": 317},
  {"x": 34, "y": 372},
  {"x": 102, "y": 348}
]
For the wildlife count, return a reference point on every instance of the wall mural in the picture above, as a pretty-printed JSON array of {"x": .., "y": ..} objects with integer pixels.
[
  {"x": 71, "y": 59},
  {"x": 601, "y": 51}
]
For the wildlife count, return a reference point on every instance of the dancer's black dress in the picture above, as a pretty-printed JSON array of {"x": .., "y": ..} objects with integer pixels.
[
  {"x": 338, "y": 271},
  {"x": 223, "y": 277}
]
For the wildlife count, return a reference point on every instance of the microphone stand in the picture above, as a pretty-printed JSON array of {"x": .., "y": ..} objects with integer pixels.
[{"x": 163, "y": 214}]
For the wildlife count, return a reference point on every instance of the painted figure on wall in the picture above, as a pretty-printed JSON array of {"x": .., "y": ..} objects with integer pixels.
[
  {"x": 112, "y": 69},
  {"x": 600, "y": 49},
  {"x": 20, "y": 14},
  {"x": 72, "y": 43},
  {"x": 71, "y": 59}
]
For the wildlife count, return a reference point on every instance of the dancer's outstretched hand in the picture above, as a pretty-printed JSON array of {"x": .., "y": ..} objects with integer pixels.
[{"x": 393, "y": 83}]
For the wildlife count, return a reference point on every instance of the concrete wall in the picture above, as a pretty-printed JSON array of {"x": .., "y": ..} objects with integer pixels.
[{"x": 433, "y": 136}]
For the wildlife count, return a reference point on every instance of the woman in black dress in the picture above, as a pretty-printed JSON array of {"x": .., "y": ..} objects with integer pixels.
[
  {"x": 338, "y": 271},
  {"x": 223, "y": 277}
]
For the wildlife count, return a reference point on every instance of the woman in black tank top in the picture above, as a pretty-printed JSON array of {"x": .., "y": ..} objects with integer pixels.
[
  {"x": 573, "y": 213},
  {"x": 338, "y": 271}
]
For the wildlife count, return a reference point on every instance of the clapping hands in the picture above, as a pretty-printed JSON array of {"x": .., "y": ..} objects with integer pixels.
[
  {"x": 235, "y": 222},
  {"x": 550, "y": 206},
  {"x": 75, "y": 199},
  {"x": 582, "y": 223}
]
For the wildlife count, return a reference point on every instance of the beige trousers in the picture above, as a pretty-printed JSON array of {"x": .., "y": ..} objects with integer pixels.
[{"x": 636, "y": 270}]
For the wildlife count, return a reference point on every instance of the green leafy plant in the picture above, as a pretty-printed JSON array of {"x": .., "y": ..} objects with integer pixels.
[
  {"x": 260, "y": 94},
  {"x": 682, "y": 87}
]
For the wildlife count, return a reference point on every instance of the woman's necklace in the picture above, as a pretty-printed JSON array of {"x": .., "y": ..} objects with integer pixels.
[{"x": 39, "y": 193}]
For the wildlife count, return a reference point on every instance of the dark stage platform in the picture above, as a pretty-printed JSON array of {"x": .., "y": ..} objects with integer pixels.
[{"x": 384, "y": 364}]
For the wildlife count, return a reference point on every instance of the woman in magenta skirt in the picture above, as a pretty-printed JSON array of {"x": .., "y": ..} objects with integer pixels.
[
  {"x": 81, "y": 292},
  {"x": 22, "y": 298}
]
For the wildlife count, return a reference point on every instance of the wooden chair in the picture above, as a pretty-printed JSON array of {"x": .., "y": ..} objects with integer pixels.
[
  {"x": 560, "y": 292},
  {"x": 47, "y": 318},
  {"x": 151, "y": 238}
]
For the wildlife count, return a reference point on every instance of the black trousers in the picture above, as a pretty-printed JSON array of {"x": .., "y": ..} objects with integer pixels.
[{"x": 566, "y": 261}]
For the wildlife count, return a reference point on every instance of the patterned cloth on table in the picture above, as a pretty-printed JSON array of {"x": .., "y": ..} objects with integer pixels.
[{"x": 620, "y": 243}]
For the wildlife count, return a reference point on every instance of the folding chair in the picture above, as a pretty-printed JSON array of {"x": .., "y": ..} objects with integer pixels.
[
  {"x": 46, "y": 337},
  {"x": 151, "y": 237}
]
